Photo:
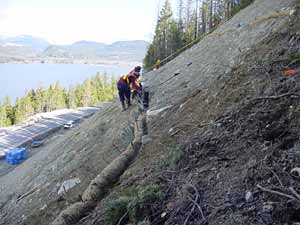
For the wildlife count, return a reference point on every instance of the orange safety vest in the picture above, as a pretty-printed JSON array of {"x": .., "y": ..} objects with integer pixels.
[{"x": 127, "y": 76}]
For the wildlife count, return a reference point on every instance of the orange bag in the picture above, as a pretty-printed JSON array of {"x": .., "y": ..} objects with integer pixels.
[{"x": 290, "y": 72}]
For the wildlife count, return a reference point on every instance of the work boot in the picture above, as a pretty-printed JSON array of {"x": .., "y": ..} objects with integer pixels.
[
  {"x": 123, "y": 106},
  {"x": 128, "y": 103}
]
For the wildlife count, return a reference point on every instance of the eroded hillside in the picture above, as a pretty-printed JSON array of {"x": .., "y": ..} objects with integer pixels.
[{"x": 222, "y": 138}]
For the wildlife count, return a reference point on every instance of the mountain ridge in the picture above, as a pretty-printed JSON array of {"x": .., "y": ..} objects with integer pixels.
[
  {"x": 28, "y": 49},
  {"x": 26, "y": 41}
]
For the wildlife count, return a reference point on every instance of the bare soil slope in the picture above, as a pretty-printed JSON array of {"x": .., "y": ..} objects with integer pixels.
[{"x": 224, "y": 130}]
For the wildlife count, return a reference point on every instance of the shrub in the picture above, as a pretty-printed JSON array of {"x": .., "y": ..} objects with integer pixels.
[
  {"x": 116, "y": 209},
  {"x": 133, "y": 203},
  {"x": 173, "y": 155},
  {"x": 144, "y": 223}
]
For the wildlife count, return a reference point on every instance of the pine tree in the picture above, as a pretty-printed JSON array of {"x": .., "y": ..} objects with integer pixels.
[
  {"x": 65, "y": 97},
  {"x": 204, "y": 17},
  {"x": 196, "y": 20},
  {"x": 49, "y": 106},
  {"x": 106, "y": 88},
  {"x": 150, "y": 57},
  {"x": 9, "y": 111},
  {"x": 40, "y": 99},
  {"x": 4, "y": 117},
  {"x": 161, "y": 46},
  {"x": 87, "y": 93},
  {"x": 79, "y": 95},
  {"x": 180, "y": 16},
  {"x": 58, "y": 97},
  {"x": 71, "y": 98},
  {"x": 23, "y": 108},
  {"x": 188, "y": 14},
  {"x": 31, "y": 95},
  {"x": 200, "y": 17},
  {"x": 94, "y": 90},
  {"x": 113, "y": 86},
  {"x": 28, "y": 107},
  {"x": 165, "y": 23},
  {"x": 176, "y": 40},
  {"x": 99, "y": 89}
]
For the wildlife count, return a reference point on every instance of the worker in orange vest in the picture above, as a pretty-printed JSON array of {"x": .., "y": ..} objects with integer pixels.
[
  {"x": 126, "y": 83},
  {"x": 157, "y": 64}
]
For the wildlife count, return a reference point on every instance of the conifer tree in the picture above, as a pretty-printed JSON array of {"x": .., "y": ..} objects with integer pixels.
[
  {"x": 59, "y": 97},
  {"x": 23, "y": 108},
  {"x": 50, "y": 99},
  {"x": 160, "y": 47},
  {"x": 9, "y": 111},
  {"x": 4, "y": 118},
  {"x": 87, "y": 93},
  {"x": 94, "y": 93},
  {"x": 106, "y": 88},
  {"x": 71, "y": 98},
  {"x": 113, "y": 86},
  {"x": 40, "y": 99},
  {"x": 79, "y": 95},
  {"x": 195, "y": 18}
]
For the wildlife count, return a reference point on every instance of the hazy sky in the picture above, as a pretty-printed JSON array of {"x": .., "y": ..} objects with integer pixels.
[{"x": 67, "y": 21}]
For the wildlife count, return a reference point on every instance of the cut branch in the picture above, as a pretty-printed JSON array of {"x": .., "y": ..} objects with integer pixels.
[
  {"x": 122, "y": 218},
  {"x": 195, "y": 201},
  {"x": 26, "y": 194},
  {"x": 295, "y": 193},
  {"x": 275, "y": 97},
  {"x": 276, "y": 193},
  {"x": 277, "y": 177}
]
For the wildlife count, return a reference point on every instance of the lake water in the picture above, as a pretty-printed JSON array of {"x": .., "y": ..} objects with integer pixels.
[{"x": 15, "y": 79}]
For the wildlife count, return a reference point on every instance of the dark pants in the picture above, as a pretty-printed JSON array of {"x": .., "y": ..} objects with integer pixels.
[{"x": 124, "y": 92}]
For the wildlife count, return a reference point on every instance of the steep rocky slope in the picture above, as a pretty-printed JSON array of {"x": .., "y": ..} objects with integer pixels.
[{"x": 223, "y": 131}]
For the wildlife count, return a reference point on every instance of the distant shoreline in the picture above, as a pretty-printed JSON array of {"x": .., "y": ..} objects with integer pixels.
[{"x": 122, "y": 64}]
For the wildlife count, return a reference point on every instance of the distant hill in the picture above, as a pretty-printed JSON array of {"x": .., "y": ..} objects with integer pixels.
[
  {"x": 121, "y": 51},
  {"x": 27, "y": 41},
  {"x": 20, "y": 48},
  {"x": 88, "y": 44},
  {"x": 31, "y": 49}
]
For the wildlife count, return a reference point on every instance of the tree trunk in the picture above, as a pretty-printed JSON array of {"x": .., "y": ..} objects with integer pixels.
[
  {"x": 196, "y": 20},
  {"x": 211, "y": 15}
]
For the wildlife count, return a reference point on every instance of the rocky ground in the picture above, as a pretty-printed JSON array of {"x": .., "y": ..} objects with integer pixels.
[{"x": 222, "y": 145}]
